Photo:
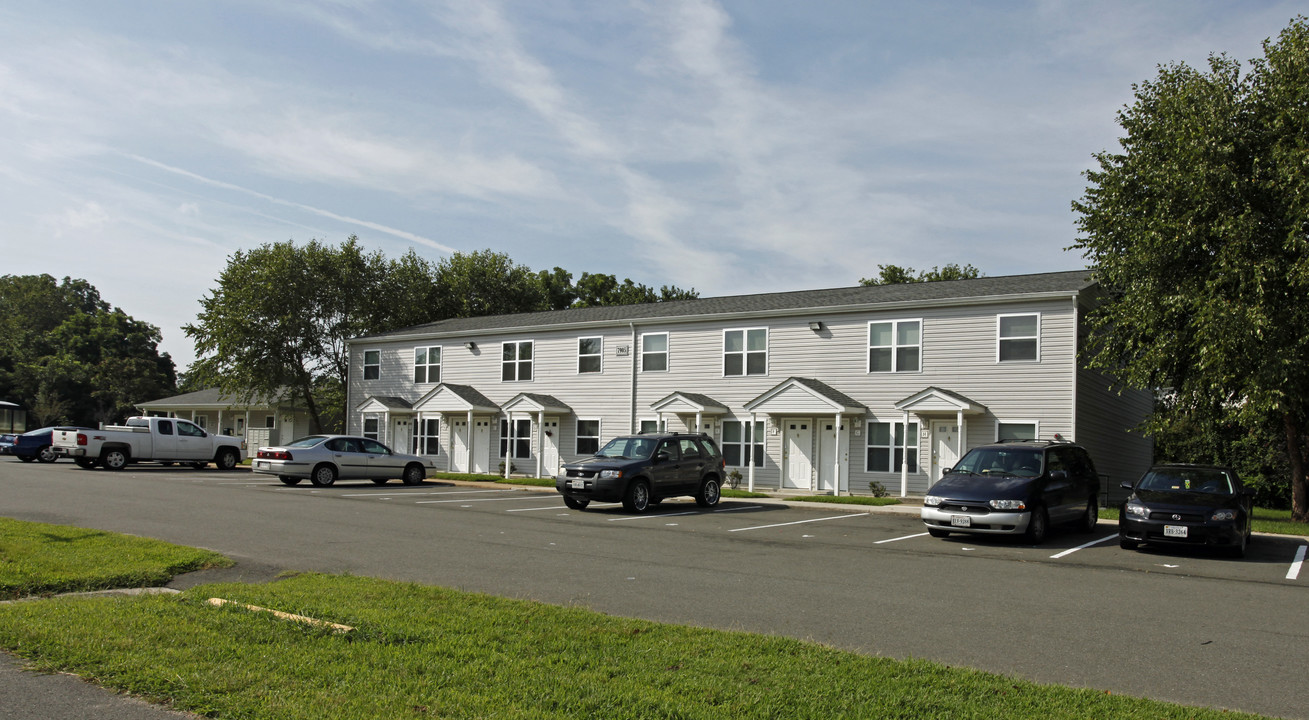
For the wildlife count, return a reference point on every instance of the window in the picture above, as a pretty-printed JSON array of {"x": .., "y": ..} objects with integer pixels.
[
  {"x": 895, "y": 346},
  {"x": 689, "y": 448},
  {"x": 270, "y": 421},
  {"x": 165, "y": 427},
  {"x": 372, "y": 364},
  {"x": 886, "y": 447},
  {"x": 427, "y": 441},
  {"x": 740, "y": 441},
  {"x": 1015, "y": 431},
  {"x": 590, "y": 353},
  {"x": 745, "y": 352},
  {"x": 201, "y": 420},
  {"x": 189, "y": 430},
  {"x": 427, "y": 365},
  {"x": 516, "y": 361},
  {"x": 370, "y": 428},
  {"x": 588, "y": 437},
  {"x": 522, "y": 438},
  {"x": 1019, "y": 338},
  {"x": 654, "y": 352},
  {"x": 653, "y": 426}
]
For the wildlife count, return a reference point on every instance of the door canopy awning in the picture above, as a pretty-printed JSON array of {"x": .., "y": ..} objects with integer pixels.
[
  {"x": 385, "y": 404},
  {"x": 805, "y": 396},
  {"x": 536, "y": 403},
  {"x": 449, "y": 398},
  {"x": 685, "y": 403},
  {"x": 934, "y": 400}
]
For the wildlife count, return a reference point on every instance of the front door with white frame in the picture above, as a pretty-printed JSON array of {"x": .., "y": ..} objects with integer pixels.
[
  {"x": 481, "y": 450},
  {"x": 459, "y": 445},
  {"x": 550, "y": 447},
  {"x": 402, "y": 435},
  {"x": 827, "y": 444},
  {"x": 798, "y": 444},
  {"x": 945, "y": 446}
]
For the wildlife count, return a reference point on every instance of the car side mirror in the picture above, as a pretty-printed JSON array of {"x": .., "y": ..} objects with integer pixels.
[
  {"x": 1125, "y": 485},
  {"x": 1059, "y": 475},
  {"x": 946, "y": 471},
  {"x": 663, "y": 457}
]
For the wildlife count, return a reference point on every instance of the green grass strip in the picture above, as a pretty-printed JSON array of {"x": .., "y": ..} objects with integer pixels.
[
  {"x": 426, "y": 652},
  {"x": 847, "y": 500},
  {"x": 37, "y": 559}
]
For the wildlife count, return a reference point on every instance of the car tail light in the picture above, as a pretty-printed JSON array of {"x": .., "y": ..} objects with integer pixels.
[
  {"x": 274, "y": 455},
  {"x": 81, "y": 438}
]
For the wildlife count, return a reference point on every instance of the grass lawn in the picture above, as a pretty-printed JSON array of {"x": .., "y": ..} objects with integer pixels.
[
  {"x": 424, "y": 652},
  {"x": 36, "y": 558}
]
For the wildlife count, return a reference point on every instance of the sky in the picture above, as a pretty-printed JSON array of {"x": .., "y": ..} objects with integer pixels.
[{"x": 730, "y": 146}]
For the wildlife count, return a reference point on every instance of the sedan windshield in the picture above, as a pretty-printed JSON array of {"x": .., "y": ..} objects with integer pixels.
[
  {"x": 1005, "y": 462},
  {"x": 1205, "y": 480},
  {"x": 308, "y": 441},
  {"x": 627, "y": 448}
]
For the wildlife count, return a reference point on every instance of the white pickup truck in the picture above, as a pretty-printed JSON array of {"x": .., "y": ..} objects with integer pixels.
[{"x": 164, "y": 440}]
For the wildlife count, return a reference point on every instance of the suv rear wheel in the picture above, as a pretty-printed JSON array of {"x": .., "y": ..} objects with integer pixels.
[
  {"x": 637, "y": 497},
  {"x": 710, "y": 492}
]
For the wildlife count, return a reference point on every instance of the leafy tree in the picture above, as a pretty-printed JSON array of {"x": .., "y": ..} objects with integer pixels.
[
  {"x": 485, "y": 283},
  {"x": 1199, "y": 232},
  {"x": 895, "y": 275},
  {"x": 593, "y": 290}
]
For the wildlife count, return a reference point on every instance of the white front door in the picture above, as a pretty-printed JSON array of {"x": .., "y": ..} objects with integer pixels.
[
  {"x": 459, "y": 445},
  {"x": 550, "y": 447},
  {"x": 402, "y": 436},
  {"x": 827, "y": 455},
  {"x": 945, "y": 446},
  {"x": 797, "y": 445},
  {"x": 481, "y": 450}
]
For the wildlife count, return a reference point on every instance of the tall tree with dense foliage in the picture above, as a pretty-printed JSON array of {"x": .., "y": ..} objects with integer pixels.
[
  {"x": 895, "y": 275},
  {"x": 71, "y": 357},
  {"x": 1199, "y": 233}
]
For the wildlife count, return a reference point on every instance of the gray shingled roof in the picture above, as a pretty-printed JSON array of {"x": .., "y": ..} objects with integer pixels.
[
  {"x": 470, "y": 394},
  {"x": 208, "y": 396},
  {"x": 984, "y": 287}
]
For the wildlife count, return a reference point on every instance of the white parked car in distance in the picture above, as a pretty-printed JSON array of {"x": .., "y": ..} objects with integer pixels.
[{"x": 326, "y": 458}]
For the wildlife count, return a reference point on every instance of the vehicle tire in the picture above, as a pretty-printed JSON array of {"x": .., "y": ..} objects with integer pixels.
[
  {"x": 288, "y": 480},
  {"x": 227, "y": 459},
  {"x": 637, "y": 498},
  {"x": 46, "y": 454},
  {"x": 655, "y": 501},
  {"x": 414, "y": 474},
  {"x": 710, "y": 492},
  {"x": 938, "y": 532},
  {"x": 575, "y": 503},
  {"x": 199, "y": 465},
  {"x": 113, "y": 459},
  {"x": 1091, "y": 517},
  {"x": 167, "y": 463},
  {"x": 323, "y": 476},
  {"x": 1238, "y": 550},
  {"x": 1126, "y": 544},
  {"x": 1038, "y": 526},
  {"x": 84, "y": 463},
  {"x": 381, "y": 481},
  {"x": 26, "y": 458}
]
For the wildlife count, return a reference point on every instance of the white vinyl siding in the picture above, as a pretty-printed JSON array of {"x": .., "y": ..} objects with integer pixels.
[{"x": 1018, "y": 338}]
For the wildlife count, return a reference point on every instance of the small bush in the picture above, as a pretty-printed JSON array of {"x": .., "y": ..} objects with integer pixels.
[
  {"x": 877, "y": 489},
  {"x": 734, "y": 479}
]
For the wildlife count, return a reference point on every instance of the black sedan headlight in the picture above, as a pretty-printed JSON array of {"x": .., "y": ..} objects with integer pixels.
[
  {"x": 1136, "y": 510},
  {"x": 1223, "y": 516}
]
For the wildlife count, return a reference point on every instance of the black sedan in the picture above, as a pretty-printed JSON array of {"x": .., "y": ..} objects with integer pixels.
[{"x": 1196, "y": 505}]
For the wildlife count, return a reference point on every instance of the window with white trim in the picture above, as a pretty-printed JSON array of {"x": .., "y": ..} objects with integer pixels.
[
  {"x": 372, "y": 364},
  {"x": 886, "y": 447},
  {"x": 745, "y": 352},
  {"x": 588, "y": 437},
  {"x": 427, "y": 365},
  {"x": 1018, "y": 338},
  {"x": 653, "y": 426},
  {"x": 202, "y": 421},
  {"x": 1016, "y": 431},
  {"x": 516, "y": 361},
  {"x": 270, "y": 421},
  {"x": 371, "y": 428},
  {"x": 895, "y": 346},
  {"x": 427, "y": 439},
  {"x": 522, "y": 438},
  {"x": 741, "y": 440},
  {"x": 590, "y": 355},
  {"x": 654, "y": 352}
]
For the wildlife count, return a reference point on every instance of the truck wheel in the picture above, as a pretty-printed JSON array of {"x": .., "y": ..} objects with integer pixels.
[
  {"x": 227, "y": 459},
  {"x": 710, "y": 493},
  {"x": 46, "y": 454},
  {"x": 84, "y": 463},
  {"x": 576, "y": 503},
  {"x": 113, "y": 459},
  {"x": 324, "y": 475},
  {"x": 637, "y": 497},
  {"x": 413, "y": 474}
]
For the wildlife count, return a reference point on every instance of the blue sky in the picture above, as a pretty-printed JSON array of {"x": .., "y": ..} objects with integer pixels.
[{"x": 730, "y": 146}]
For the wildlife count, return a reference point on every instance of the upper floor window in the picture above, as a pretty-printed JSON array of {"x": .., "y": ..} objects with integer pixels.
[
  {"x": 654, "y": 352},
  {"x": 590, "y": 353},
  {"x": 1019, "y": 337},
  {"x": 516, "y": 361},
  {"x": 427, "y": 365},
  {"x": 372, "y": 364},
  {"x": 745, "y": 352},
  {"x": 895, "y": 346}
]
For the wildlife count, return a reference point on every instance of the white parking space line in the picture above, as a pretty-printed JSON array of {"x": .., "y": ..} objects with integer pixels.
[
  {"x": 464, "y": 500},
  {"x": 1083, "y": 546},
  {"x": 550, "y": 507},
  {"x": 906, "y": 537},
  {"x": 736, "y": 509},
  {"x": 797, "y": 522},
  {"x": 428, "y": 492},
  {"x": 652, "y": 517},
  {"x": 1294, "y": 572}
]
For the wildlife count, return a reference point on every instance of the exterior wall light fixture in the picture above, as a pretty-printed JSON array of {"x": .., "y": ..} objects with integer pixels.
[
  {"x": 816, "y": 325},
  {"x": 470, "y": 345}
]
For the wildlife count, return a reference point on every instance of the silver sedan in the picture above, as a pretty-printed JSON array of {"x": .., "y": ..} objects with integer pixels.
[{"x": 325, "y": 458}]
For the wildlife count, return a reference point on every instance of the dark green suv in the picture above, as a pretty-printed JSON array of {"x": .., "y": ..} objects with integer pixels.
[{"x": 642, "y": 470}]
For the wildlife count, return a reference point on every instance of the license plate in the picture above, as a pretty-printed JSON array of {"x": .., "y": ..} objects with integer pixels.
[
  {"x": 961, "y": 521},
  {"x": 1175, "y": 531},
  {"x": 577, "y": 484},
  {"x": 261, "y": 465}
]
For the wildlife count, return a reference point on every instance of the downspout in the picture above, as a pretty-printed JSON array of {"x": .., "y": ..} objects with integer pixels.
[{"x": 631, "y": 420}]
